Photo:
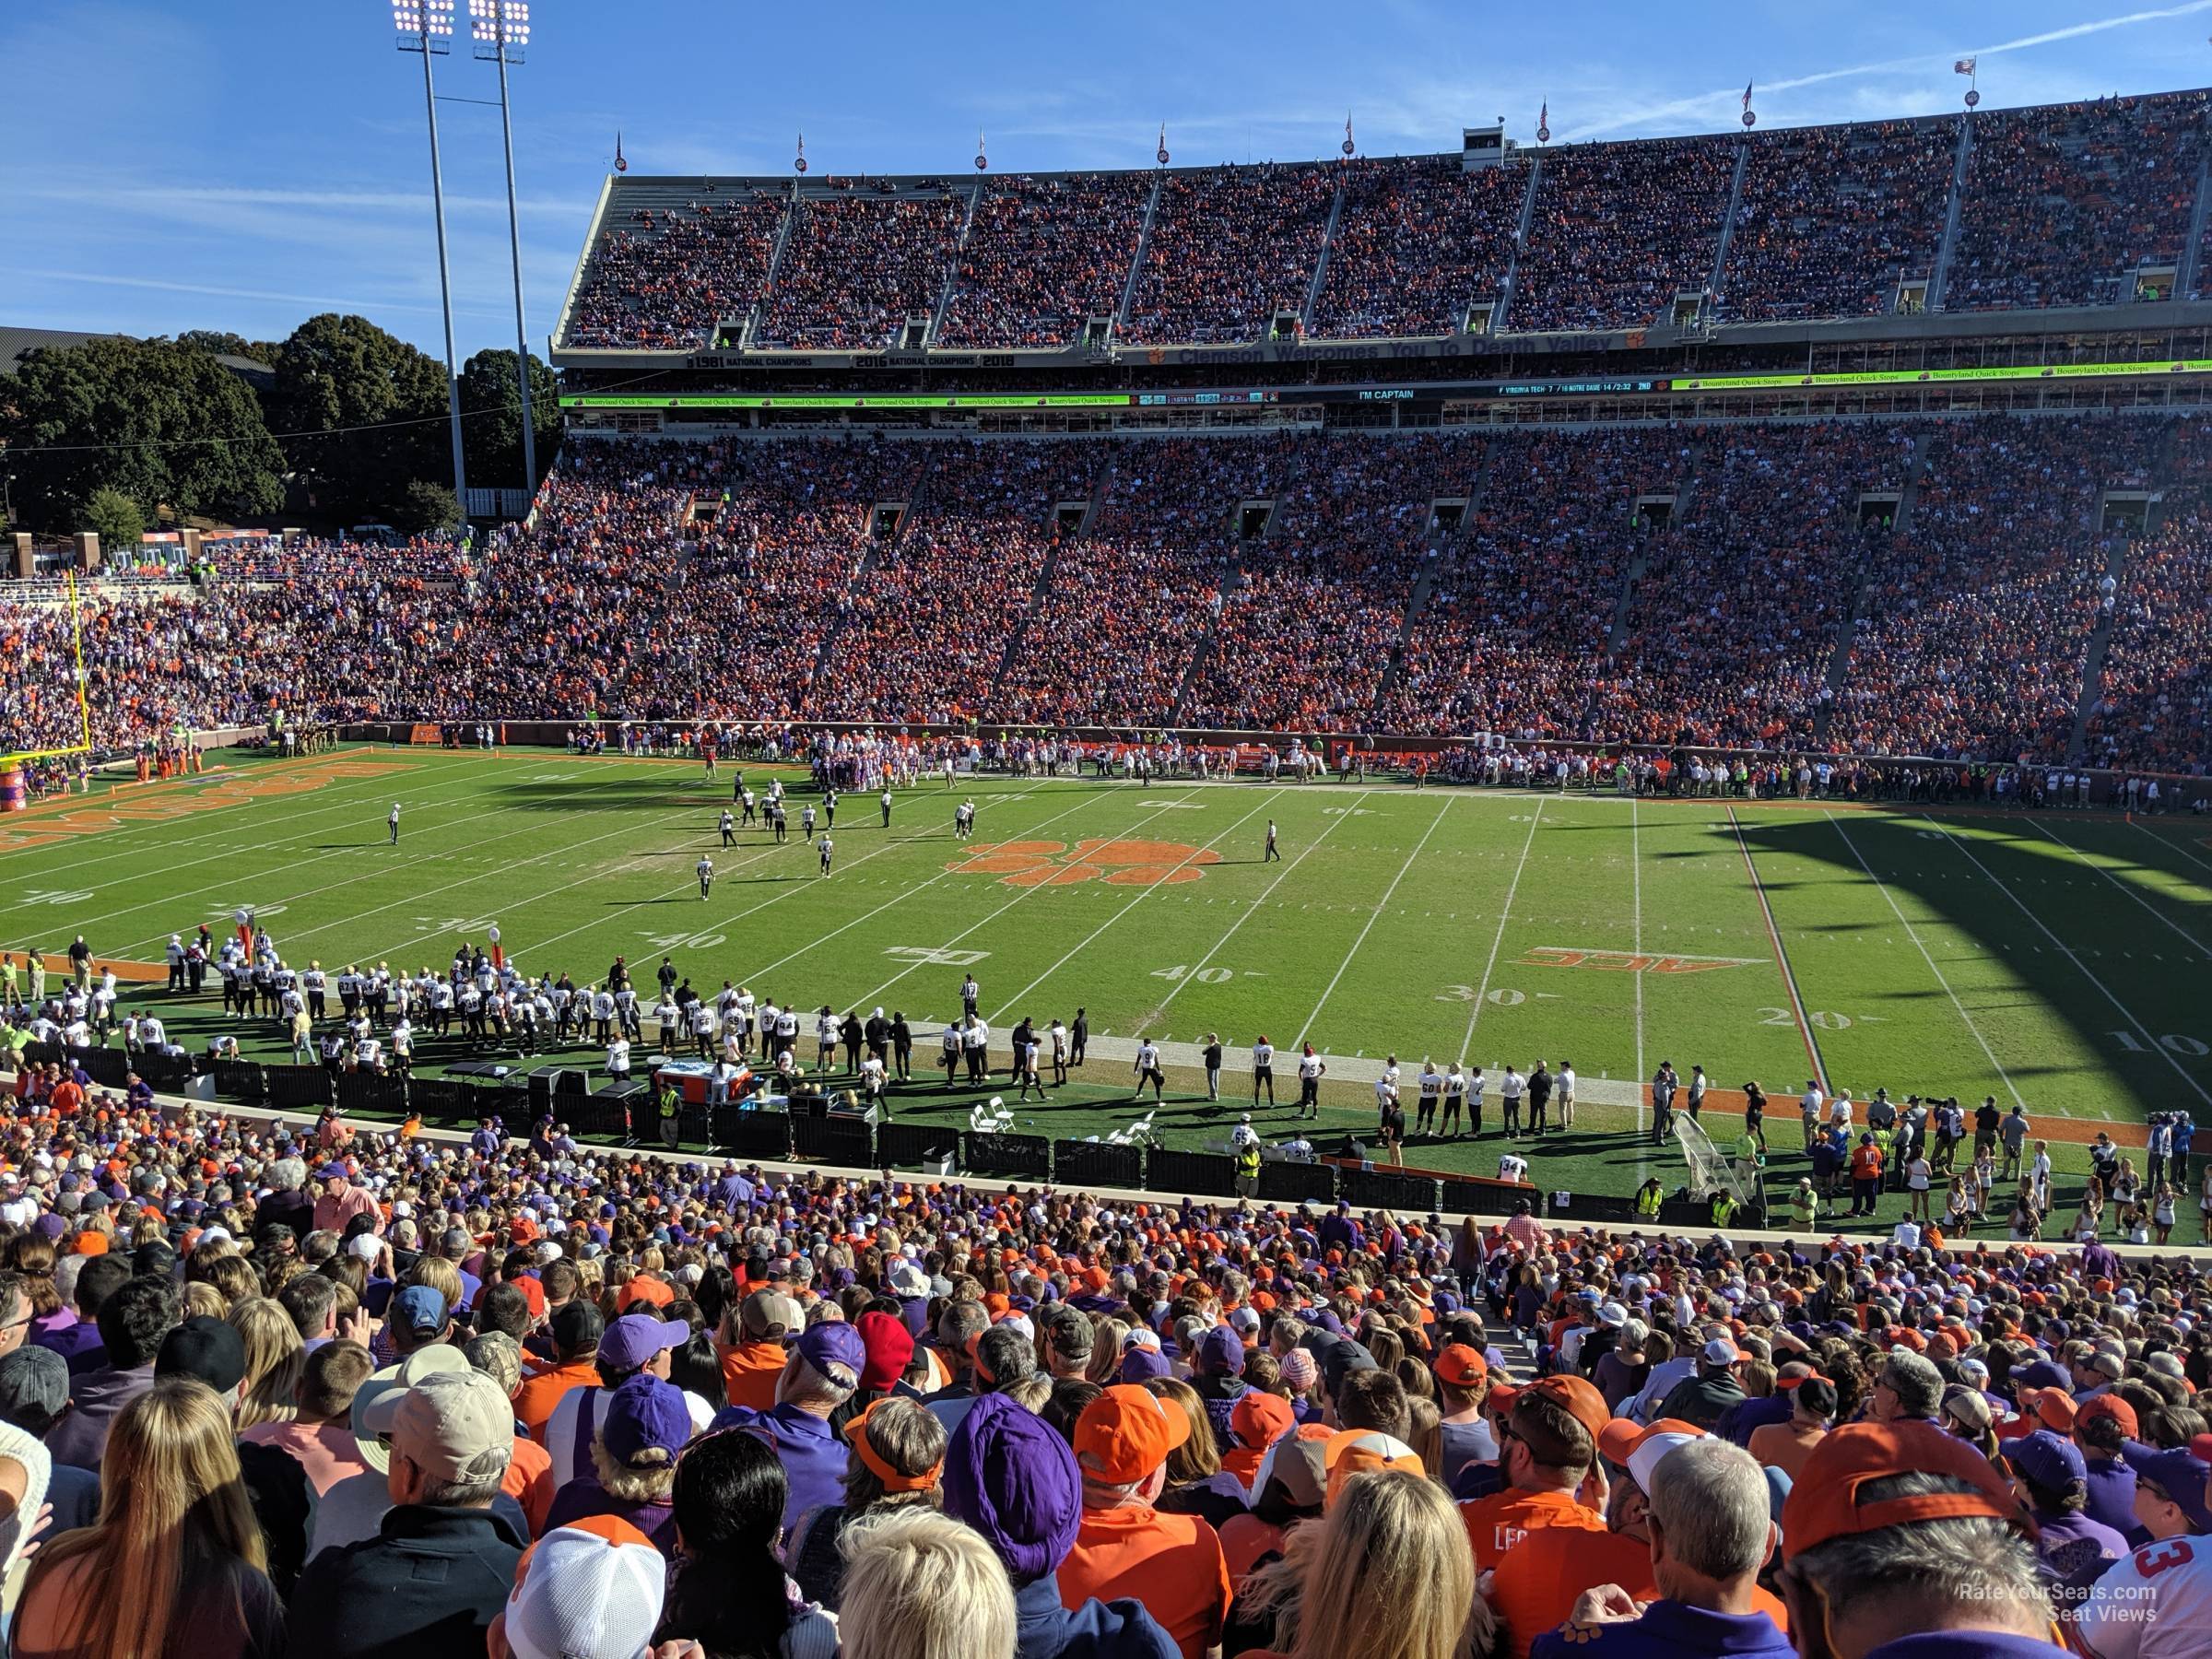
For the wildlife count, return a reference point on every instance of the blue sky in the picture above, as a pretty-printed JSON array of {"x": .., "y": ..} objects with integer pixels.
[{"x": 242, "y": 164}]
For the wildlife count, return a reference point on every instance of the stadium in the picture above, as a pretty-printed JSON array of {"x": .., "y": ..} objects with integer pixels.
[{"x": 1560, "y": 788}]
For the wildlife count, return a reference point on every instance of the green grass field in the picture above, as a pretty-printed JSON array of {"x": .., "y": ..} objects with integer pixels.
[{"x": 2064, "y": 960}]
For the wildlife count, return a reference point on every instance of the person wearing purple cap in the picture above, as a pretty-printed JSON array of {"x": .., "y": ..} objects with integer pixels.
[
  {"x": 1218, "y": 1376},
  {"x": 644, "y": 1429},
  {"x": 2053, "y": 1478},
  {"x": 821, "y": 1373},
  {"x": 1014, "y": 1480},
  {"x": 634, "y": 1345}
]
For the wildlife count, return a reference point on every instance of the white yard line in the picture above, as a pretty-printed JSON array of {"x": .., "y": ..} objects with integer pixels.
[
  {"x": 869, "y": 996},
  {"x": 238, "y": 886},
  {"x": 1213, "y": 950},
  {"x": 1012, "y": 1002},
  {"x": 2166, "y": 840},
  {"x": 2069, "y": 953},
  {"x": 1636, "y": 911},
  {"x": 1504, "y": 915},
  {"x": 1372, "y": 917},
  {"x": 1781, "y": 960},
  {"x": 113, "y": 804},
  {"x": 2168, "y": 923},
  {"x": 906, "y": 893},
  {"x": 1913, "y": 934}
]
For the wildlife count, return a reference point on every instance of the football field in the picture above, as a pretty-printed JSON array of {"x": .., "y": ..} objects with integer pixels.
[{"x": 2061, "y": 961}]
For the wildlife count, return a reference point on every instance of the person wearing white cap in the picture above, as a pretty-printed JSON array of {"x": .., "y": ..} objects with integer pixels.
[
  {"x": 590, "y": 1589},
  {"x": 438, "y": 1571}
]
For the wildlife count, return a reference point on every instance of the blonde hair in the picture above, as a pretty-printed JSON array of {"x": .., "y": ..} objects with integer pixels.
[
  {"x": 921, "y": 1585},
  {"x": 441, "y": 1275},
  {"x": 1389, "y": 1576},
  {"x": 1106, "y": 1350},
  {"x": 173, "y": 1515},
  {"x": 201, "y": 1299},
  {"x": 276, "y": 1359}
]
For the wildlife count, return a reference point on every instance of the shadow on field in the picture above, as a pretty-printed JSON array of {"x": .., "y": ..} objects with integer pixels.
[{"x": 2002, "y": 883}]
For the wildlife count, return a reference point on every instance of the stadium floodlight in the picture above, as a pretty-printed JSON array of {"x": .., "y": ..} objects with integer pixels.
[
  {"x": 499, "y": 28},
  {"x": 502, "y": 31},
  {"x": 427, "y": 26},
  {"x": 424, "y": 25}
]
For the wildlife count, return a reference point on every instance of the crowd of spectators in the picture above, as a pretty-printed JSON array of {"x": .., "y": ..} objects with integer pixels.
[
  {"x": 857, "y": 269},
  {"x": 2154, "y": 706},
  {"x": 1620, "y": 231},
  {"x": 1417, "y": 241},
  {"x": 1974, "y": 629},
  {"x": 1042, "y": 257},
  {"x": 2060, "y": 203},
  {"x": 1521, "y": 615},
  {"x": 1732, "y": 629},
  {"x": 931, "y": 625},
  {"x": 1263, "y": 579},
  {"x": 662, "y": 280},
  {"x": 1229, "y": 248},
  {"x": 326, "y": 1389},
  {"x": 1830, "y": 218},
  {"x": 1310, "y": 618}
]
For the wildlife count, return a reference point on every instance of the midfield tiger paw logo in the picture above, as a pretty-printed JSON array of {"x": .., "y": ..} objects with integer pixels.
[{"x": 1026, "y": 863}]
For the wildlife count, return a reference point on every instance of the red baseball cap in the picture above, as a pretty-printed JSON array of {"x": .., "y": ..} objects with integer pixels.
[
  {"x": 2109, "y": 1405},
  {"x": 1127, "y": 1433},
  {"x": 1257, "y": 1419},
  {"x": 1824, "y": 1503}
]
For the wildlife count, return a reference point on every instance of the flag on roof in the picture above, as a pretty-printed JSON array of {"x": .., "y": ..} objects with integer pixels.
[
  {"x": 1963, "y": 66},
  {"x": 1747, "y": 95}
]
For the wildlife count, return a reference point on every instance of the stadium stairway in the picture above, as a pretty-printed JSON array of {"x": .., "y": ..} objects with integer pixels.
[
  {"x": 1847, "y": 630},
  {"x": 2092, "y": 662},
  {"x": 1512, "y": 263},
  {"x": 2185, "y": 278},
  {"x": 1445, "y": 547},
  {"x": 952, "y": 265},
  {"x": 1136, "y": 260},
  {"x": 1735, "y": 199},
  {"x": 1950, "y": 214},
  {"x": 1321, "y": 264}
]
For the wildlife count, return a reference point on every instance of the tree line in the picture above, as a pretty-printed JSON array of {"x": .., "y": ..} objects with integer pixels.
[{"x": 114, "y": 433}]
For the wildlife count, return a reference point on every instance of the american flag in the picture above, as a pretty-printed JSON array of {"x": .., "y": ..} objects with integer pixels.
[
  {"x": 1543, "y": 114},
  {"x": 1747, "y": 95},
  {"x": 1963, "y": 66}
]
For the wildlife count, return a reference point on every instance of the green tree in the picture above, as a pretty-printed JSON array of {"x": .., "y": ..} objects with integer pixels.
[
  {"x": 426, "y": 506},
  {"x": 364, "y": 412},
  {"x": 491, "y": 414},
  {"x": 115, "y": 518},
  {"x": 162, "y": 423}
]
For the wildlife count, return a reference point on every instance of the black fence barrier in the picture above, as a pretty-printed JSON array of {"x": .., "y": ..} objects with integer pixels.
[
  {"x": 1388, "y": 1189},
  {"x": 298, "y": 1088},
  {"x": 1606, "y": 1209},
  {"x": 838, "y": 1140},
  {"x": 752, "y": 1134},
  {"x": 1686, "y": 1215},
  {"x": 906, "y": 1145},
  {"x": 1028, "y": 1157},
  {"x": 43, "y": 1054},
  {"x": 611, "y": 1112},
  {"x": 163, "y": 1070},
  {"x": 1486, "y": 1198},
  {"x": 239, "y": 1079},
  {"x": 1212, "y": 1174},
  {"x": 110, "y": 1068},
  {"x": 475, "y": 1098},
  {"x": 1298, "y": 1183},
  {"x": 364, "y": 1091},
  {"x": 1080, "y": 1163},
  {"x": 439, "y": 1100}
]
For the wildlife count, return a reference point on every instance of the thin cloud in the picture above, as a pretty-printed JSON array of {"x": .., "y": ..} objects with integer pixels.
[
  {"x": 320, "y": 302},
  {"x": 1708, "y": 102}
]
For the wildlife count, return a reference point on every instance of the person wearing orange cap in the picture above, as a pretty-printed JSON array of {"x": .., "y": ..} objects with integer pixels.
[
  {"x": 1902, "y": 1542},
  {"x": 1463, "y": 1380},
  {"x": 1550, "y": 1463},
  {"x": 1126, "y": 1547}
]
